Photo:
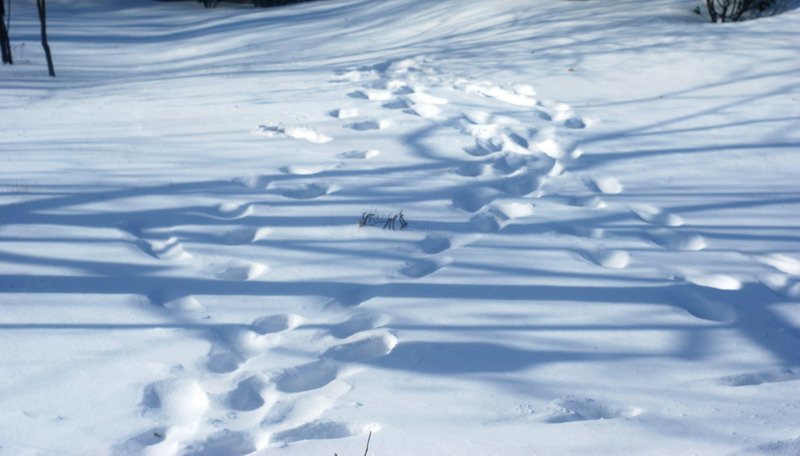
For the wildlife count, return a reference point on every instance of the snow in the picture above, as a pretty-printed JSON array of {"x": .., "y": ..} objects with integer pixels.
[{"x": 601, "y": 254}]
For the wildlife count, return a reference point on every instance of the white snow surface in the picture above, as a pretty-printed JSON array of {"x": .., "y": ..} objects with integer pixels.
[{"x": 601, "y": 253}]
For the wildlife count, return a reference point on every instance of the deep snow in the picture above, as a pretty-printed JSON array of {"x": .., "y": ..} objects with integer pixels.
[{"x": 601, "y": 254}]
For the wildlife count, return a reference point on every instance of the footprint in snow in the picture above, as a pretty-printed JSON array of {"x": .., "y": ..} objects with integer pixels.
[
  {"x": 138, "y": 444},
  {"x": 525, "y": 183},
  {"x": 435, "y": 243},
  {"x": 231, "y": 347},
  {"x": 238, "y": 271},
  {"x": 344, "y": 113},
  {"x": 306, "y": 377},
  {"x": 760, "y": 378},
  {"x": 232, "y": 210},
  {"x": 774, "y": 448},
  {"x": 309, "y": 191},
  {"x": 321, "y": 430},
  {"x": 590, "y": 202},
  {"x": 244, "y": 235},
  {"x": 603, "y": 184},
  {"x": 656, "y": 216},
  {"x": 271, "y": 324},
  {"x": 484, "y": 147},
  {"x": 520, "y": 96},
  {"x": 674, "y": 240},
  {"x": 372, "y": 94},
  {"x": 472, "y": 169},
  {"x": 426, "y": 111},
  {"x": 247, "y": 396},
  {"x": 424, "y": 267},
  {"x": 306, "y": 133},
  {"x": 510, "y": 210},
  {"x": 356, "y": 324},
  {"x": 781, "y": 262},
  {"x": 224, "y": 442},
  {"x": 575, "y": 123},
  {"x": 691, "y": 299},
  {"x": 782, "y": 284},
  {"x": 472, "y": 199},
  {"x": 179, "y": 401},
  {"x": 174, "y": 300},
  {"x": 486, "y": 222},
  {"x": 369, "y": 125},
  {"x": 357, "y": 295},
  {"x": 169, "y": 250},
  {"x": 360, "y": 154},
  {"x": 221, "y": 361},
  {"x": 425, "y": 98},
  {"x": 291, "y": 412},
  {"x": 614, "y": 259},
  {"x": 369, "y": 347},
  {"x": 570, "y": 409},
  {"x": 251, "y": 182},
  {"x": 716, "y": 281}
]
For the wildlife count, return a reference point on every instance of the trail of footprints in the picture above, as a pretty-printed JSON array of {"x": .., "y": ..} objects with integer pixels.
[{"x": 504, "y": 169}]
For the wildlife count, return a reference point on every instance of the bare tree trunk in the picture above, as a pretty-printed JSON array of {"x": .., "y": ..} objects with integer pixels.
[
  {"x": 5, "y": 43},
  {"x": 43, "y": 21}
]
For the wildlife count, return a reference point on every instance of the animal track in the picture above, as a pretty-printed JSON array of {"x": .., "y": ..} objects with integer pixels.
[
  {"x": 718, "y": 281},
  {"x": 570, "y": 409},
  {"x": 435, "y": 243},
  {"x": 782, "y": 284},
  {"x": 760, "y": 378},
  {"x": 321, "y": 430},
  {"x": 369, "y": 125},
  {"x": 372, "y": 95},
  {"x": 224, "y": 442},
  {"x": 360, "y": 154},
  {"x": 309, "y": 191},
  {"x": 692, "y": 300},
  {"x": 306, "y": 377},
  {"x": 676, "y": 241},
  {"x": 355, "y": 324},
  {"x": 781, "y": 262},
  {"x": 363, "y": 349},
  {"x": 177, "y": 401},
  {"x": 244, "y": 235},
  {"x": 295, "y": 411},
  {"x": 170, "y": 249},
  {"x": 173, "y": 300},
  {"x": 233, "y": 210},
  {"x": 474, "y": 198},
  {"x": 421, "y": 268},
  {"x": 251, "y": 182},
  {"x": 614, "y": 259},
  {"x": 247, "y": 395},
  {"x": 239, "y": 271},
  {"x": 222, "y": 361},
  {"x": 656, "y": 216},
  {"x": 607, "y": 185},
  {"x": 306, "y": 133},
  {"x": 345, "y": 113},
  {"x": 276, "y": 323}
]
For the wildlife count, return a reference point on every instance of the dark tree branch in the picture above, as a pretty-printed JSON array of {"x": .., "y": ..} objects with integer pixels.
[
  {"x": 5, "y": 43},
  {"x": 43, "y": 21}
]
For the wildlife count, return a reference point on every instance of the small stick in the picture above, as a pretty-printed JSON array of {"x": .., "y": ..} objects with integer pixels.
[{"x": 369, "y": 437}]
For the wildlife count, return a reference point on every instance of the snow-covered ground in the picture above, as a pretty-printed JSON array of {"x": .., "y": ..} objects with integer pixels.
[{"x": 601, "y": 254}]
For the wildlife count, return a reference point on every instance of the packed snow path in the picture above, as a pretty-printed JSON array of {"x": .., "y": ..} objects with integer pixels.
[{"x": 251, "y": 245}]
